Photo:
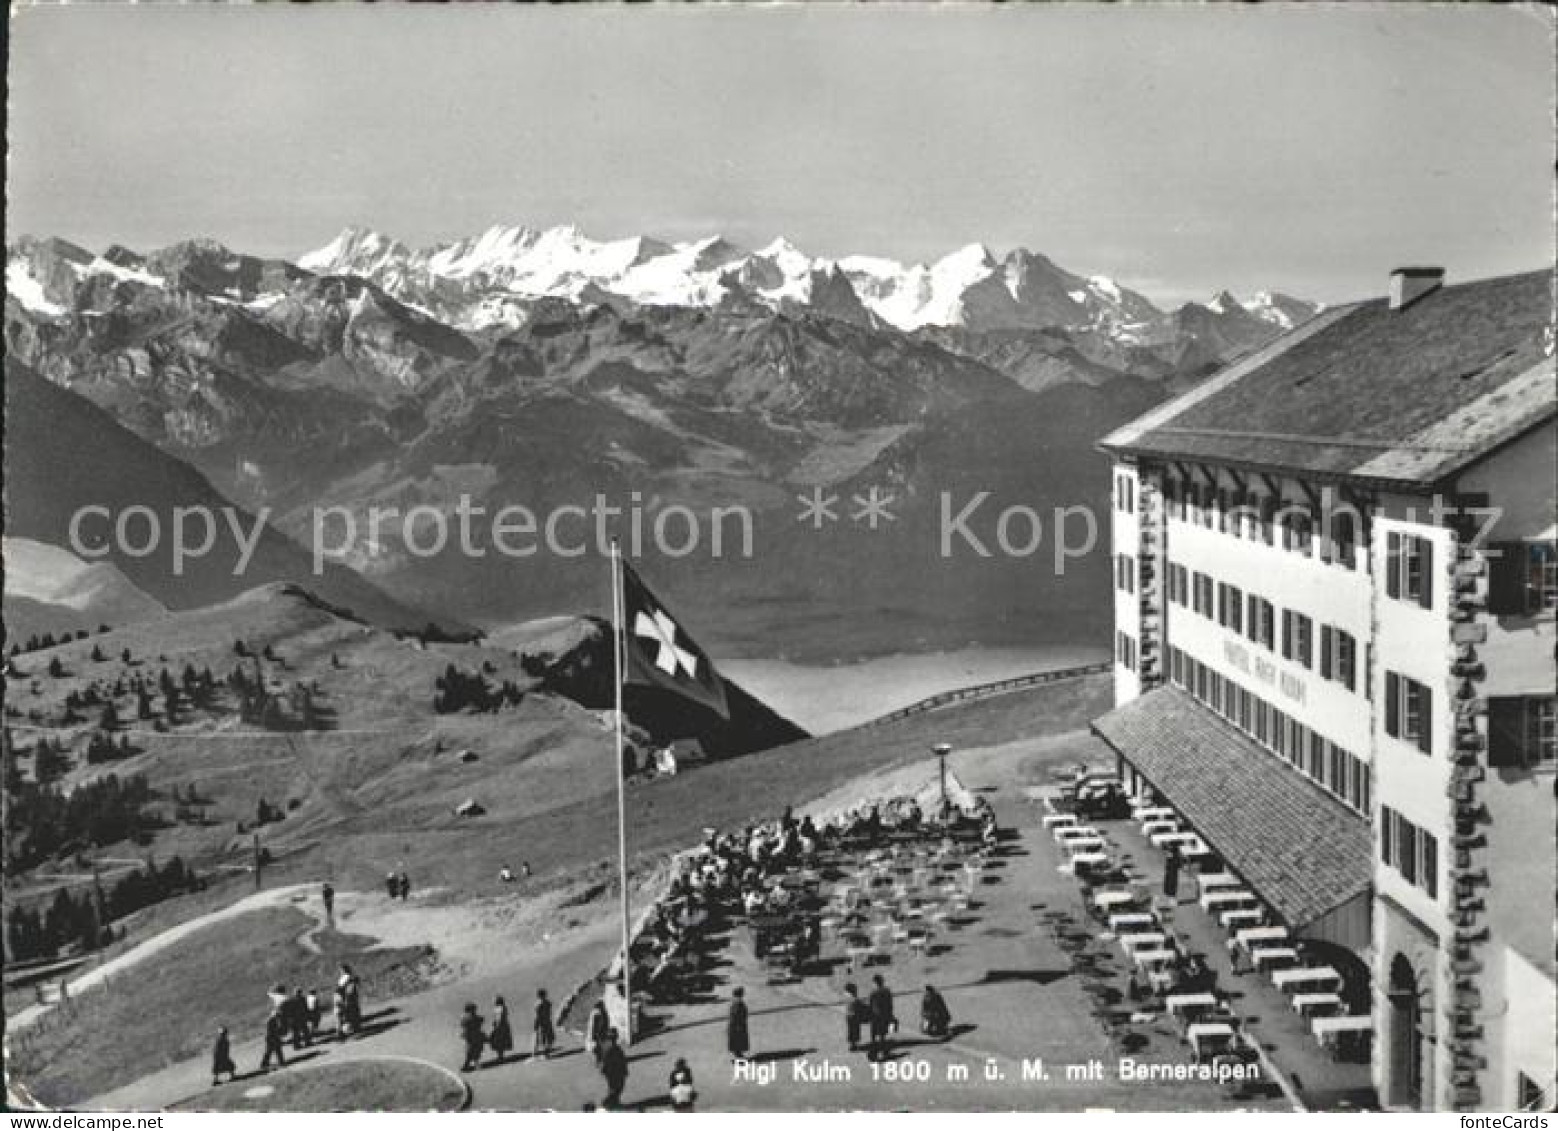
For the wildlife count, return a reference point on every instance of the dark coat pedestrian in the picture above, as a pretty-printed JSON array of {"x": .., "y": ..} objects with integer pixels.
[
  {"x": 1171, "y": 875},
  {"x": 297, "y": 1019},
  {"x": 501, "y": 1040},
  {"x": 596, "y": 1030},
  {"x": 737, "y": 1039},
  {"x": 222, "y": 1058},
  {"x": 403, "y": 885},
  {"x": 935, "y": 1017},
  {"x": 543, "y": 1030},
  {"x": 472, "y": 1036},
  {"x": 857, "y": 1015},
  {"x": 327, "y": 893},
  {"x": 275, "y": 1033},
  {"x": 883, "y": 1021},
  {"x": 614, "y": 1067}
]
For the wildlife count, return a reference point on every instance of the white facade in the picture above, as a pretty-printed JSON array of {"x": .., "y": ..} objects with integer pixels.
[{"x": 1461, "y": 944}]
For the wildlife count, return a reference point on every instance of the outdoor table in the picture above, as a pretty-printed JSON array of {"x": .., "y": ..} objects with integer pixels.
[
  {"x": 1241, "y": 917},
  {"x": 1318, "y": 1003},
  {"x": 1250, "y": 937},
  {"x": 1331, "y": 1032},
  {"x": 1161, "y": 980},
  {"x": 1181, "y": 838},
  {"x": 1130, "y": 919},
  {"x": 1217, "y": 880},
  {"x": 1145, "y": 940},
  {"x": 1187, "y": 1003},
  {"x": 1088, "y": 860},
  {"x": 1082, "y": 843},
  {"x": 1075, "y": 832},
  {"x": 1114, "y": 897},
  {"x": 1313, "y": 977},
  {"x": 1153, "y": 957},
  {"x": 1059, "y": 820},
  {"x": 1275, "y": 956},
  {"x": 1155, "y": 828},
  {"x": 1208, "y": 1032},
  {"x": 1153, "y": 813},
  {"x": 1225, "y": 897}
]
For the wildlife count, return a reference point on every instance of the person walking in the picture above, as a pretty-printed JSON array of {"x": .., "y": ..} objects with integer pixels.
[
  {"x": 614, "y": 1067},
  {"x": 403, "y": 885},
  {"x": 737, "y": 1039},
  {"x": 856, "y": 1015},
  {"x": 222, "y": 1058},
  {"x": 316, "y": 1012},
  {"x": 502, "y": 1038},
  {"x": 472, "y": 1036},
  {"x": 680, "y": 1086},
  {"x": 883, "y": 1022},
  {"x": 543, "y": 1030},
  {"x": 935, "y": 1017},
  {"x": 275, "y": 1032},
  {"x": 348, "y": 1003},
  {"x": 327, "y": 894},
  {"x": 595, "y": 1030},
  {"x": 297, "y": 1019}
]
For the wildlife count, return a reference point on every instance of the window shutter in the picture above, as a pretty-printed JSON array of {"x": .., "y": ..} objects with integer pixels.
[
  {"x": 1425, "y": 730},
  {"x": 1506, "y": 578},
  {"x": 1325, "y": 651},
  {"x": 1425, "y": 596},
  {"x": 1393, "y": 564},
  {"x": 1506, "y": 732},
  {"x": 1392, "y": 704}
]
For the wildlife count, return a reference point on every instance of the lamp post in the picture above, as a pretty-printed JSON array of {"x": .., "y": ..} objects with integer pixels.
[{"x": 941, "y": 750}]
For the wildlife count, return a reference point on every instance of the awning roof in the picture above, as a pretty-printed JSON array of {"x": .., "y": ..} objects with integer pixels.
[{"x": 1299, "y": 848}]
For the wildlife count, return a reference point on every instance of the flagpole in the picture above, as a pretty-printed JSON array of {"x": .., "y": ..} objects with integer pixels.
[{"x": 622, "y": 807}]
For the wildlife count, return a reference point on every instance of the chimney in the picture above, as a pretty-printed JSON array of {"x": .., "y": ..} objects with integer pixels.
[{"x": 1408, "y": 284}]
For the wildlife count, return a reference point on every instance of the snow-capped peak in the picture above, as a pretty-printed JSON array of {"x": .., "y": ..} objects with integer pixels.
[{"x": 493, "y": 274}]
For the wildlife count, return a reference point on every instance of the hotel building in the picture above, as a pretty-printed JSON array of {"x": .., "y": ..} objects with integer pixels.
[{"x": 1335, "y": 587}]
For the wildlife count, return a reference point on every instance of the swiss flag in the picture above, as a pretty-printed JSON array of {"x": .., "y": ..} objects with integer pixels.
[{"x": 658, "y": 652}]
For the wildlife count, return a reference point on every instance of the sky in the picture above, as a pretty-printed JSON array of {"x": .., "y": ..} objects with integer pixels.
[{"x": 1180, "y": 150}]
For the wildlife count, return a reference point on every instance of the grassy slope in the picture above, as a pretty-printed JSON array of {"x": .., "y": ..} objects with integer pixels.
[{"x": 168, "y": 1010}]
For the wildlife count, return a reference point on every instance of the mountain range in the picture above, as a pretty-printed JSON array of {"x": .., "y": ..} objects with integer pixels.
[{"x": 543, "y": 368}]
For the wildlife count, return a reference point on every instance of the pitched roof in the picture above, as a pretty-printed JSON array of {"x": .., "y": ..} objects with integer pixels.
[
  {"x": 1300, "y": 849},
  {"x": 1406, "y": 396}
]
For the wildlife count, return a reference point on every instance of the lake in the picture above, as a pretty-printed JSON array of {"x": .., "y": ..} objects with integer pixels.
[{"x": 830, "y": 697}]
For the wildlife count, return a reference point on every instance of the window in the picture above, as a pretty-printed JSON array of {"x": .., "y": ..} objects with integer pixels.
[
  {"x": 1125, "y": 573},
  {"x": 1523, "y": 731},
  {"x": 1267, "y": 517},
  {"x": 1409, "y": 850},
  {"x": 1522, "y": 578},
  {"x": 1230, "y": 600},
  {"x": 1125, "y": 493},
  {"x": 1409, "y": 568},
  {"x": 1297, "y": 529},
  {"x": 1343, "y": 538},
  {"x": 1339, "y": 656},
  {"x": 1125, "y": 650},
  {"x": 1261, "y": 625},
  {"x": 1203, "y": 595},
  {"x": 1304, "y": 639},
  {"x": 1408, "y": 711}
]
